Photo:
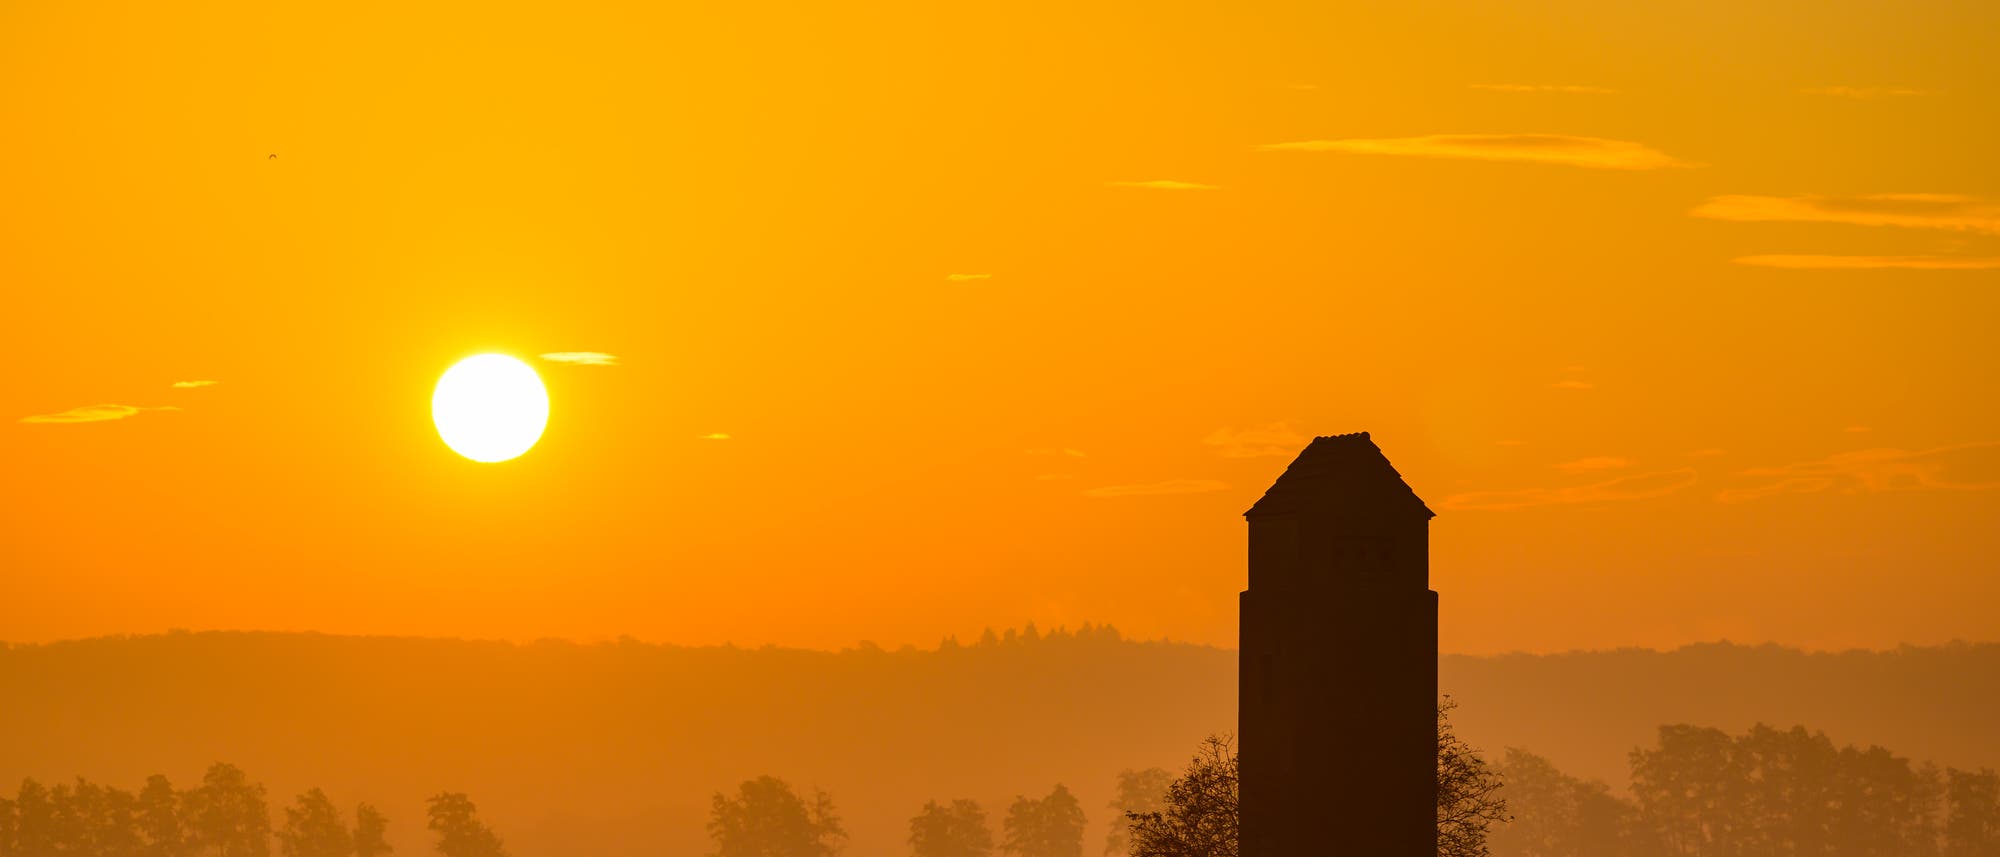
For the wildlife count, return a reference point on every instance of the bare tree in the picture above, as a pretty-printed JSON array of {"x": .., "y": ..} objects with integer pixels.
[
  {"x": 1200, "y": 818},
  {"x": 1468, "y": 799}
]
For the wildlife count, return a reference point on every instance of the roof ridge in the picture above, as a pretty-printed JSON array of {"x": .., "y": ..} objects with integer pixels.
[{"x": 1309, "y": 472}]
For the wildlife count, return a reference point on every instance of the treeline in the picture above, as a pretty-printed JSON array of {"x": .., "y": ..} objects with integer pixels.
[
  {"x": 228, "y": 816},
  {"x": 1701, "y": 792},
  {"x": 225, "y": 816},
  {"x": 767, "y": 818}
]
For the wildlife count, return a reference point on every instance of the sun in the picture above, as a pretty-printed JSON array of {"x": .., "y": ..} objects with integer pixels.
[{"x": 490, "y": 407}]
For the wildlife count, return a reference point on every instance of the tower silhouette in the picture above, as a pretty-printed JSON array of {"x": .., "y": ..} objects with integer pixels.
[{"x": 1337, "y": 688}]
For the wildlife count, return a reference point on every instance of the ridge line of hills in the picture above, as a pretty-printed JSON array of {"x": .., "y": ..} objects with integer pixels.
[{"x": 615, "y": 747}]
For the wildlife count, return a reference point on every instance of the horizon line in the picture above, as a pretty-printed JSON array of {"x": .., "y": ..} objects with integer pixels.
[{"x": 1009, "y": 636}]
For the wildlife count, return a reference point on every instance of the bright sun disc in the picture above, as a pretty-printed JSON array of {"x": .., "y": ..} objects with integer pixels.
[{"x": 490, "y": 407}]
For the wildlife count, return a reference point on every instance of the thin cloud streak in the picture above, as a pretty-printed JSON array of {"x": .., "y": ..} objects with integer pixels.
[
  {"x": 1872, "y": 263},
  {"x": 1171, "y": 486},
  {"x": 1601, "y": 462},
  {"x": 715, "y": 436},
  {"x": 1636, "y": 487},
  {"x": 1545, "y": 87},
  {"x": 1165, "y": 184},
  {"x": 1959, "y": 467},
  {"x": 582, "y": 358},
  {"x": 1943, "y": 211},
  {"x": 189, "y": 385},
  {"x": 1562, "y": 149},
  {"x": 92, "y": 414},
  {"x": 1276, "y": 440},
  {"x": 962, "y": 278},
  {"x": 1865, "y": 91}
]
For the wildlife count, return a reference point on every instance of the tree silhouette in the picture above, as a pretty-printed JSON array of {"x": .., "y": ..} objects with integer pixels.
[
  {"x": 455, "y": 820},
  {"x": 1199, "y": 818},
  {"x": 227, "y": 813},
  {"x": 1972, "y": 801},
  {"x": 1050, "y": 826},
  {"x": 10, "y": 828},
  {"x": 159, "y": 818},
  {"x": 1556, "y": 815},
  {"x": 958, "y": 830},
  {"x": 1790, "y": 792},
  {"x": 314, "y": 828},
  {"x": 34, "y": 820},
  {"x": 1142, "y": 792},
  {"x": 1468, "y": 799},
  {"x": 767, "y": 819},
  {"x": 369, "y": 827},
  {"x": 224, "y": 817},
  {"x": 95, "y": 819}
]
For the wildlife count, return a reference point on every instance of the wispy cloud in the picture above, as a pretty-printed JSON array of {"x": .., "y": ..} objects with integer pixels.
[
  {"x": 92, "y": 414},
  {"x": 1950, "y": 212},
  {"x": 1635, "y": 487},
  {"x": 1865, "y": 91},
  {"x": 1960, "y": 467},
  {"x": 715, "y": 436},
  {"x": 962, "y": 278},
  {"x": 189, "y": 385},
  {"x": 1863, "y": 263},
  {"x": 1601, "y": 462},
  {"x": 1166, "y": 184},
  {"x": 1588, "y": 152},
  {"x": 582, "y": 358},
  {"x": 1544, "y": 87},
  {"x": 1573, "y": 384},
  {"x": 1276, "y": 440},
  {"x": 1171, "y": 486}
]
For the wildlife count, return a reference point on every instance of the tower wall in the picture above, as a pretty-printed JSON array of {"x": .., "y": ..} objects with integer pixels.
[{"x": 1338, "y": 680}]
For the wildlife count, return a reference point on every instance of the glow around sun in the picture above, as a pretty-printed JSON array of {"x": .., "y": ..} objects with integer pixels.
[{"x": 490, "y": 407}]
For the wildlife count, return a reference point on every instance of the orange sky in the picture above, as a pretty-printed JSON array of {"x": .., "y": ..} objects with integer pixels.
[{"x": 1681, "y": 317}]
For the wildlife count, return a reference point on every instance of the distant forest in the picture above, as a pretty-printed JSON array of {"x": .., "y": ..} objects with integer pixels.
[
  {"x": 1697, "y": 792},
  {"x": 1767, "y": 792},
  {"x": 621, "y": 748}
]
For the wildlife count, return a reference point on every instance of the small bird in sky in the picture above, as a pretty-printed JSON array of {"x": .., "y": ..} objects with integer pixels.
[{"x": 271, "y": 157}]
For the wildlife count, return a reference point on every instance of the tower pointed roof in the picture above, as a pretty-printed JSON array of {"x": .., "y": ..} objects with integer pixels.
[{"x": 1342, "y": 470}]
